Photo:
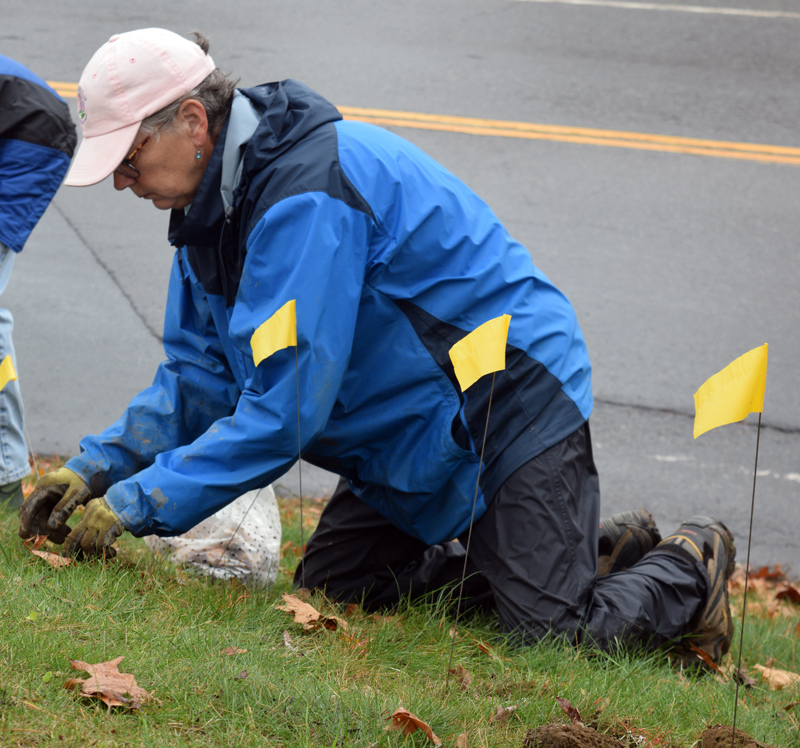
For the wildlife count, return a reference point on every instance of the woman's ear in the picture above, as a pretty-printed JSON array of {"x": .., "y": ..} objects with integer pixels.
[{"x": 192, "y": 117}]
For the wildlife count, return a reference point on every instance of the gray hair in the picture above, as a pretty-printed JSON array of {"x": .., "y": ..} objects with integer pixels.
[{"x": 215, "y": 93}]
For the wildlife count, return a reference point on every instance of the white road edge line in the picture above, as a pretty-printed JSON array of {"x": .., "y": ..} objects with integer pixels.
[{"x": 674, "y": 8}]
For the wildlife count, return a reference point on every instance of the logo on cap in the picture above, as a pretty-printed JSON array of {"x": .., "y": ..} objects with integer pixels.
[{"x": 81, "y": 104}]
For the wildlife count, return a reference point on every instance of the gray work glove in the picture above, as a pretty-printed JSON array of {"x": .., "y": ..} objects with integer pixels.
[
  {"x": 50, "y": 505},
  {"x": 96, "y": 532}
]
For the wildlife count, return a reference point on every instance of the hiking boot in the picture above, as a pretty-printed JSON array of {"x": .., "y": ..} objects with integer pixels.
[
  {"x": 624, "y": 539},
  {"x": 11, "y": 495},
  {"x": 708, "y": 541}
]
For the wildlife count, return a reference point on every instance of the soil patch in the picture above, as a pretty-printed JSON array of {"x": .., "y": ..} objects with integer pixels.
[
  {"x": 719, "y": 736},
  {"x": 554, "y": 735}
]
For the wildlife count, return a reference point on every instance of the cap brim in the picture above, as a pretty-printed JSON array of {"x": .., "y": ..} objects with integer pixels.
[{"x": 97, "y": 157}]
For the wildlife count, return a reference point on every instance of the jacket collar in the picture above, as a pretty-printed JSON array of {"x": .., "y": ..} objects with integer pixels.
[{"x": 201, "y": 225}]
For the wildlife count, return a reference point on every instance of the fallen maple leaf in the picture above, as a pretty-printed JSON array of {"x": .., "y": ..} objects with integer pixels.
[
  {"x": 108, "y": 684},
  {"x": 571, "y": 712},
  {"x": 230, "y": 651},
  {"x": 308, "y": 615},
  {"x": 778, "y": 679},
  {"x": 404, "y": 720},
  {"x": 502, "y": 714},
  {"x": 461, "y": 741},
  {"x": 464, "y": 678}
]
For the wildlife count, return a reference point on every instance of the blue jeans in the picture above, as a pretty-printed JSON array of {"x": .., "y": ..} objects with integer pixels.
[{"x": 13, "y": 448}]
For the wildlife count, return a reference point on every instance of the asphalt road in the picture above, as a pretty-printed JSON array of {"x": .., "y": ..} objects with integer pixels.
[{"x": 676, "y": 263}]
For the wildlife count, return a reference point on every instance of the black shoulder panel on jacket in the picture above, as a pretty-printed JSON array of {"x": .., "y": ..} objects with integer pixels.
[
  {"x": 31, "y": 113},
  {"x": 519, "y": 423},
  {"x": 312, "y": 165}
]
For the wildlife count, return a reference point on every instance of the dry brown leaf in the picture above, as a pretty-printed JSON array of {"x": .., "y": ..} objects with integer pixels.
[
  {"x": 790, "y": 593},
  {"x": 729, "y": 671},
  {"x": 743, "y": 679},
  {"x": 488, "y": 650},
  {"x": 53, "y": 559},
  {"x": 704, "y": 656},
  {"x": 35, "y": 543},
  {"x": 308, "y": 616},
  {"x": 230, "y": 651},
  {"x": 765, "y": 572},
  {"x": 778, "y": 679},
  {"x": 409, "y": 723},
  {"x": 461, "y": 741},
  {"x": 501, "y": 714},
  {"x": 353, "y": 643},
  {"x": 242, "y": 675},
  {"x": 464, "y": 678},
  {"x": 108, "y": 684},
  {"x": 571, "y": 712}
]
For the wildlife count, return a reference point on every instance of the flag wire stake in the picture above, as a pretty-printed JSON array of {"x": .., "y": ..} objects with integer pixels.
[
  {"x": 746, "y": 577},
  {"x": 300, "y": 474},
  {"x": 241, "y": 522},
  {"x": 469, "y": 534}
]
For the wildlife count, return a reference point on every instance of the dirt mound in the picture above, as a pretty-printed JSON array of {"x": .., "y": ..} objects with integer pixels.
[
  {"x": 554, "y": 735},
  {"x": 719, "y": 736}
]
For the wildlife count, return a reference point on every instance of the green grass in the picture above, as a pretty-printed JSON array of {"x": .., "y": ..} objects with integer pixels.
[{"x": 330, "y": 689}]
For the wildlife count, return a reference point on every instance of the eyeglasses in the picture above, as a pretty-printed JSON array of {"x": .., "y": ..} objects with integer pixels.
[{"x": 126, "y": 168}]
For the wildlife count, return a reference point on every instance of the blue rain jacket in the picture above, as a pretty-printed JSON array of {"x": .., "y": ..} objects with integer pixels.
[
  {"x": 37, "y": 138},
  {"x": 390, "y": 260}
]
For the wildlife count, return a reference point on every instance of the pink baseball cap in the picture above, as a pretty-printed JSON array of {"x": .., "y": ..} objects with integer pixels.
[{"x": 132, "y": 76}]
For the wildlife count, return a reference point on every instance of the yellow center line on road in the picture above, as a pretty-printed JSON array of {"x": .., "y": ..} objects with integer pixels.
[{"x": 773, "y": 154}]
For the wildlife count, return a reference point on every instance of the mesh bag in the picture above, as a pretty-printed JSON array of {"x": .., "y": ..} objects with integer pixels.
[{"x": 216, "y": 548}]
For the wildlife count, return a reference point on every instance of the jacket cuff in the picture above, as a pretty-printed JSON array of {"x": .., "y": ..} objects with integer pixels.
[{"x": 97, "y": 481}]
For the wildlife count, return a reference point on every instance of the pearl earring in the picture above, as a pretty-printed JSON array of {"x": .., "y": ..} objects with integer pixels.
[{"x": 199, "y": 154}]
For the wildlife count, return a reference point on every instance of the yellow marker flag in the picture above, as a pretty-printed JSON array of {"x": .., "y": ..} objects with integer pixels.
[
  {"x": 481, "y": 352},
  {"x": 7, "y": 371},
  {"x": 733, "y": 393},
  {"x": 278, "y": 332}
]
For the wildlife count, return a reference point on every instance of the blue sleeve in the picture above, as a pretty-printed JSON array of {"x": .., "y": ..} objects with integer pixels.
[
  {"x": 30, "y": 175},
  {"x": 310, "y": 248},
  {"x": 192, "y": 389}
]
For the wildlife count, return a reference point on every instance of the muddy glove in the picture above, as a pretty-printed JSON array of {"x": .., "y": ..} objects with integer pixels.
[
  {"x": 96, "y": 532},
  {"x": 47, "y": 509}
]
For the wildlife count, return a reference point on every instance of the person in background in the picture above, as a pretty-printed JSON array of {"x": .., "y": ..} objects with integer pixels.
[
  {"x": 37, "y": 140},
  {"x": 323, "y": 270}
]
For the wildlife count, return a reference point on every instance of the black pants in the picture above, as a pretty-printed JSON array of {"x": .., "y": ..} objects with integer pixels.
[{"x": 533, "y": 555}]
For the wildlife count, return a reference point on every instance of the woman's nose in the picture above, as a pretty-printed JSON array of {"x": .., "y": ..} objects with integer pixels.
[{"x": 121, "y": 181}]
